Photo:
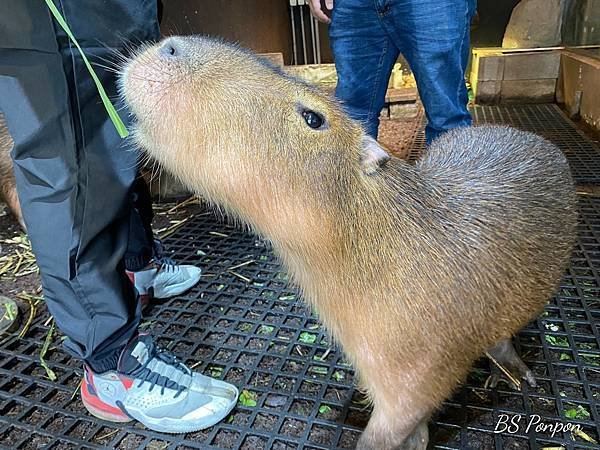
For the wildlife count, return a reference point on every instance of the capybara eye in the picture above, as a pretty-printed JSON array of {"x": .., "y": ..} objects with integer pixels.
[{"x": 313, "y": 119}]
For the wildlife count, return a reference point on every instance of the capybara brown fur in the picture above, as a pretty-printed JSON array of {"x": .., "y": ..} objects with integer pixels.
[
  {"x": 416, "y": 270},
  {"x": 8, "y": 188}
]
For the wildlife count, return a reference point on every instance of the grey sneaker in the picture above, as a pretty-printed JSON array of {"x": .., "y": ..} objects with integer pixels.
[
  {"x": 163, "y": 278},
  {"x": 153, "y": 387}
]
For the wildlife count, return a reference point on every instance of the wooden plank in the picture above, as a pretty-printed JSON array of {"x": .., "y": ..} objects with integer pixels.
[
  {"x": 488, "y": 92},
  {"x": 491, "y": 68},
  {"x": 569, "y": 86},
  {"x": 590, "y": 106},
  {"x": 580, "y": 84},
  {"x": 531, "y": 66},
  {"x": 385, "y": 113},
  {"x": 403, "y": 110},
  {"x": 274, "y": 58},
  {"x": 500, "y": 50},
  {"x": 395, "y": 95},
  {"x": 262, "y": 26},
  {"x": 524, "y": 91},
  {"x": 582, "y": 56}
]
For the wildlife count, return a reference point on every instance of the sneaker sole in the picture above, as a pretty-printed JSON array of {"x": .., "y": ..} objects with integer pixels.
[
  {"x": 175, "y": 426},
  {"x": 104, "y": 415},
  {"x": 176, "y": 290}
]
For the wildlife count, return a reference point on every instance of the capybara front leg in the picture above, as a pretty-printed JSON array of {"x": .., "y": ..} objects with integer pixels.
[
  {"x": 12, "y": 200},
  {"x": 504, "y": 353},
  {"x": 387, "y": 433}
]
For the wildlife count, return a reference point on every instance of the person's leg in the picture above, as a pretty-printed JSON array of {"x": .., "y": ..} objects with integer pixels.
[
  {"x": 465, "y": 51},
  {"x": 140, "y": 247},
  {"x": 148, "y": 267},
  {"x": 74, "y": 176},
  {"x": 364, "y": 56},
  {"x": 430, "y": 35},
  {"x": 73, "y": 171}
]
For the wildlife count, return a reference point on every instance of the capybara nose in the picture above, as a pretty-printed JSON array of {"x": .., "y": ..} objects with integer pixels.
[{"x": 170, "y": 48}]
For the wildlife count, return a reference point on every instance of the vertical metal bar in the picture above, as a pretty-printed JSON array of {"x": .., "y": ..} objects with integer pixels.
[
  {"x": 317, "y": 41},
  {"x": 313, "y": 38},
  {"x": 302, "y": 3},
  {"x": 293, "y": 6}
]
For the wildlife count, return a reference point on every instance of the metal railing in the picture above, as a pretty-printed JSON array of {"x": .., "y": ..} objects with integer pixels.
[{"x": 305, "y": 34}]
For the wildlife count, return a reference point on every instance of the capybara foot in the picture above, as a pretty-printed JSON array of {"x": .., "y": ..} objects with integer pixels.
[
  {"x": 373, "y": 439},
  {"x": 417, "y": 440},
  {"x": 504, "y": 353}
]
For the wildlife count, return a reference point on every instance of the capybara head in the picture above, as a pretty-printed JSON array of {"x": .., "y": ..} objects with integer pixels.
[{"x": 233, "y": 126}]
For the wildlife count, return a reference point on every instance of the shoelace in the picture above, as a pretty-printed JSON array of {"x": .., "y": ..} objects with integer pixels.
[
  {"x": 154, "y": 378},
  {"x": 164, "y": 262}
]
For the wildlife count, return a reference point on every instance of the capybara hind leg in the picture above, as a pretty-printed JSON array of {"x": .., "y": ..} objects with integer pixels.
[
  {"x": 504, "y": 353},
  {"x": 385, "y": 433}
]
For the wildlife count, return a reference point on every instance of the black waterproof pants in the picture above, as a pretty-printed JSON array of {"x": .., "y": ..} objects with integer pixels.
[{"x": 75, "y": 176}]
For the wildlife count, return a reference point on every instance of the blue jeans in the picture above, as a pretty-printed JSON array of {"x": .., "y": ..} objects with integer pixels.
[{"x": 367, "y": 37}]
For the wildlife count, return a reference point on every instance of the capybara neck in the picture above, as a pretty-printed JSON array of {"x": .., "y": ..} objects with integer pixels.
[
  {"x": 324, "y": 217},
  {"x": 335, "y": 238}
]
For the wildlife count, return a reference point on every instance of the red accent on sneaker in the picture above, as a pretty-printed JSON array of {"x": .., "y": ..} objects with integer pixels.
[
  {"x": 127, "y": 382},
  {"x": 99, "y": 408},
  {"x": 145, "y": 300},
  {"x": 131, "y": 276}
]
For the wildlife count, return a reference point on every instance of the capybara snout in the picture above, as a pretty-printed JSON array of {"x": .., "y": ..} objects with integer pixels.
[{"x": 416, "y": 270}]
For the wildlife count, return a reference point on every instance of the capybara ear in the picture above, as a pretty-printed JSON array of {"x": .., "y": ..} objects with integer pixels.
[{"x": 372, "y": 156}]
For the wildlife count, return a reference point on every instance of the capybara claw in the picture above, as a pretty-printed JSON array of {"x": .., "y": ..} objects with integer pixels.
[
  {"x": 504, "y": 354},
  {"x": 530, "y": 378}
]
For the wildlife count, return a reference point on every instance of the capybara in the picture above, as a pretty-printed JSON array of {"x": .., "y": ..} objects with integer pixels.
[
  {"x": 416, "y": 270},
  {"x": 8, "y": 188}
]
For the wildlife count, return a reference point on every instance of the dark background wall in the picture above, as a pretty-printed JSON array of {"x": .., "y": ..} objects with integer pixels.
[
  {"x": 264, "y": 25},
  {"x": 490, "y": 23}
]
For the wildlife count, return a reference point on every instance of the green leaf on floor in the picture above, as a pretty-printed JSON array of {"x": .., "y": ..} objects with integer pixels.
[
  {"x": 558, "y": 341},
  {"x": 248, "y": 398},
  {"x": 307, "y": 338},
  {"x": 577, "y": 413},
  {"x": 324, "y": 409},
  {"x": 49, "y": 372}
]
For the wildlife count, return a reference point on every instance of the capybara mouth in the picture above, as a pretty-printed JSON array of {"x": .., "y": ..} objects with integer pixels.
[{"x": 147, "y": 78}]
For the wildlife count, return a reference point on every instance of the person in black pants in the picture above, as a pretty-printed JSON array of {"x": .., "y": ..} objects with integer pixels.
[{"x": 88, "y": 218}]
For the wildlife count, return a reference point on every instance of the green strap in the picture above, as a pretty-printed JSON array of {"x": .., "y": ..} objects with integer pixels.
[{"x": 112, "y": 113}]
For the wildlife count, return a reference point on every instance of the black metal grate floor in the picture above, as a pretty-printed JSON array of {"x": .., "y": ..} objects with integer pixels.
[{"x": 245, "y": 325}]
